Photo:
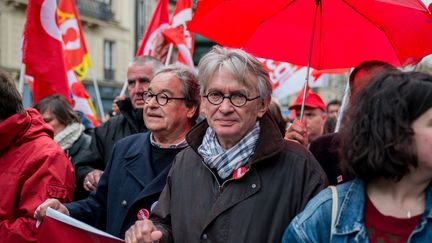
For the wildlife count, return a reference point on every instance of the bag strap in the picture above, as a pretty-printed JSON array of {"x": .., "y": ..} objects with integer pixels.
[{"x": 334, "y": 209}]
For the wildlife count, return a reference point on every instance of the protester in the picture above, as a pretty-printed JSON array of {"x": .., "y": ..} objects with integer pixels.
[
  {"x": 32, "y": 167},
  {"x": 314, "y": 117},
  {"x": 139, "y": 164},
  {"x": 239, "y": 181},
  {"x": 332, "y": 113},
  {"x": 129, "y": 122},
  {"x": 387, "y": 147},
  {"x": 68, "y": 132},
  {"x": 333, "y": 109}
]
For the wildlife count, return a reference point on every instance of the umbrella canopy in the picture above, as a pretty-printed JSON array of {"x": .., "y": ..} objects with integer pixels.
[{"x": 346, "y": 32}]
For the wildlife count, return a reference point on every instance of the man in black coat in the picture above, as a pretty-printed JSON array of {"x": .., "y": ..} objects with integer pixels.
[
  {"x": 139, "y": 164},
  {"x": 130, "y": 121}
]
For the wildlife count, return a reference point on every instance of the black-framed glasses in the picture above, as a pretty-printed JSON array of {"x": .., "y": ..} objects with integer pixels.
[
  {"x": 161, "y": 98},
  {"x": 238, "y": 100}
]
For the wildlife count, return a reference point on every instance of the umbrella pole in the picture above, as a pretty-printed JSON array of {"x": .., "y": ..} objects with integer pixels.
[{"x": 306, "y": 84}]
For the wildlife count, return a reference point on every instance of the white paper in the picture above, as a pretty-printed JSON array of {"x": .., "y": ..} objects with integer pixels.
[{"x": 76, "y": 223}]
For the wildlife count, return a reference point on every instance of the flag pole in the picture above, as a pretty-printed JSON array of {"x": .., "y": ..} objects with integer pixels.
[
  {"x": 343, "y": 107},
  {"x": 21, "y": 79},
  {"x": 123, "y": 90},
  {"x": 98, "y": 98},
  {"x": 167, "y": 61}
]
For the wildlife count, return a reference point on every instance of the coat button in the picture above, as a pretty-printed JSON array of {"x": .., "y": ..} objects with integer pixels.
[
  {"x": 253, "y": 185},
  {"x": 124, "y": 203},
  {"x": 204, "y": 237}
]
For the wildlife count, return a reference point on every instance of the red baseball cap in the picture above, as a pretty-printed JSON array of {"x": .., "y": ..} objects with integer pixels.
[{"x": 313, "y": 100}]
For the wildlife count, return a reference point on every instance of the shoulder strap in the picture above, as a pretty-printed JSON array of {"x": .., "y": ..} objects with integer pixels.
[{"x": 334, "y": 209}]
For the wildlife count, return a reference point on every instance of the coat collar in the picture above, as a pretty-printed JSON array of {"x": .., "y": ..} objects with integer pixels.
[{"x": 264, "y": 150}]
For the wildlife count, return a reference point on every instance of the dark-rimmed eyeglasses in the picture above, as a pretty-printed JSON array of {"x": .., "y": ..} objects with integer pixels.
[
  {"x": 238, "y": 100},
  {"x": 161, "y": 98}
]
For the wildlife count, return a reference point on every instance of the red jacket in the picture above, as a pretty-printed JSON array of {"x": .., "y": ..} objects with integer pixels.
[{"x": 32, "y": 168}]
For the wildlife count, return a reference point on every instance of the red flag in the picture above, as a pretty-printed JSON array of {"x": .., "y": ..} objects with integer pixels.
[
  {"x": 153, "y": 34},
  {"x": 42, "y": 50},
  {"x": 182, "y": 15},
  {"x": 76, "y": 57},
  {"x": 176, "y": 36}
]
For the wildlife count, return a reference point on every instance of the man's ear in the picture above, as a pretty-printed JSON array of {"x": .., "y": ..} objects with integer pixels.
[
  {"x": 203, "y": 107},
  {"x": 262, "y": 108},
  {"x": 191, "y": 112}
]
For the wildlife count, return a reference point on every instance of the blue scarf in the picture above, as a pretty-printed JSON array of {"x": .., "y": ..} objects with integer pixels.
[{"x": 226, "y": 161}]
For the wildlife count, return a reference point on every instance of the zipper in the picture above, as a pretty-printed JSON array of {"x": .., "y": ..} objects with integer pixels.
[{"x": 216, "y": 179}]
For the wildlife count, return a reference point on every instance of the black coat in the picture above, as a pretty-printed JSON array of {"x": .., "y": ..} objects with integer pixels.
[
  {"x": 77, "y": 152},
  {"x": 129, "y": 122},
  {"x": 326, "y": 150},
  {"x": 127, "y": 185},
  {"x": 281, "y": 179}
]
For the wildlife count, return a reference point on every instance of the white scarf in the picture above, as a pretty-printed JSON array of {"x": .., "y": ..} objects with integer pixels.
[
  {"x": 69, "y": 135},
  {"x": 226, "y": 161}
]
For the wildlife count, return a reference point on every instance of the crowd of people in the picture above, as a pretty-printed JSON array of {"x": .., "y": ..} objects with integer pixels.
[{"x": 208, "y": 157}]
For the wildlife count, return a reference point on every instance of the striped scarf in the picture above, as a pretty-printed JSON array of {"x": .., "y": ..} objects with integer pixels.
[{"x": 226, "y": 161}]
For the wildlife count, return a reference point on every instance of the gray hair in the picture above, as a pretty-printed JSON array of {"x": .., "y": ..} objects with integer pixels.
[
  {"x": 243, "y": 67},
  {"x": 189, "y": 83},
  {"x": 143, "y": 60}
]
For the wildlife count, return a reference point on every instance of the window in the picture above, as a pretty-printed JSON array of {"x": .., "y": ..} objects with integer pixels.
[{"x": 108, "y": 60}]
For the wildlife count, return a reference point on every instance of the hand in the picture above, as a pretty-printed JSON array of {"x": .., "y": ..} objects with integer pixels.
[
  {"x": 297, "y": 132},
  {"x": 143, "y": 231},
  {"x": 55, "y": 204},
  {"x": 92, "y": 179}
]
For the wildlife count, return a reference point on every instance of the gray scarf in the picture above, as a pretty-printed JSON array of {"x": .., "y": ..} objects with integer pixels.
[
  {"x": 226, "y": 161},
  {"x": 69, "y": 135}
]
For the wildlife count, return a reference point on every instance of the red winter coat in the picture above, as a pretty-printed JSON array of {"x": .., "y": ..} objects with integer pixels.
[{"x": 32, "y": 168}]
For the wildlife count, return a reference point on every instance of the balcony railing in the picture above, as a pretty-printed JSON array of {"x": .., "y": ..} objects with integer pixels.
[{"x": 95, "y": 9}]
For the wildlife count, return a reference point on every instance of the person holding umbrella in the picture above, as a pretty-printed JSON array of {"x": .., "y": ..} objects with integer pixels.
[
  {"x": 386, "y": 139},
  {"x": 238, "y": 181}
]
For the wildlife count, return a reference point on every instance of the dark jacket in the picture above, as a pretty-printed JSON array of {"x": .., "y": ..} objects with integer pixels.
[
  {"x": 129, "y": 122},
  {"x": 80, "y": 148},
  {"x": 326, "y": 150},
  {"x": 127, "y": 185},
  {"x": 282, "y": 177}
]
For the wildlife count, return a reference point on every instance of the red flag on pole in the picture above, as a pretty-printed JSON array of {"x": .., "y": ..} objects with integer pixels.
[
  {"x": 42, "y": 50},
  {"x": 185, "y": 39},
  {"x": 76, "y": 57},
  {"x": 153, "y": 34}
]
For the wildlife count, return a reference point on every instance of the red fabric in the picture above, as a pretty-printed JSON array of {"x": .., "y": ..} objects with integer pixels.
[
  {"x": 313, "y": 100},
  {"x": 42, "y": 50},
  {"x": 32, "y": 168},
  {"x": 181, "y": 16},
  {"x": 75, "y": 50},
  {"x": 346, "y": 33},
  {"x": 56, "y": 231},
  {"x": 158, "y": 23},
  {"x": 75, "y": 55},
  {"x": 381, "y": 228}
]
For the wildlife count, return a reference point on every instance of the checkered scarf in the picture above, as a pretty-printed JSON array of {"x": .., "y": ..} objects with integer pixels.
[{"x": 226, "y": 161}]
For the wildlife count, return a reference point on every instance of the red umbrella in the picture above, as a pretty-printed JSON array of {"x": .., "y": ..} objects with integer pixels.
[
  {"x": 346, "y": 32},
  {"x": 324, "y": 34}
]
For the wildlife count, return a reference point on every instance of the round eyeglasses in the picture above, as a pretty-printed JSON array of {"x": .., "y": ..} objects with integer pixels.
[
  {"x": 238, "y": 100},
  {"x": 161, "y": 98}
]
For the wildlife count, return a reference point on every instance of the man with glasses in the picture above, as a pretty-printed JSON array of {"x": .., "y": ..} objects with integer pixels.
[
  {"x": 238, "y": 181},
  {"x": 139, "y": 165},
  {"x": 130, "y": 121}
]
